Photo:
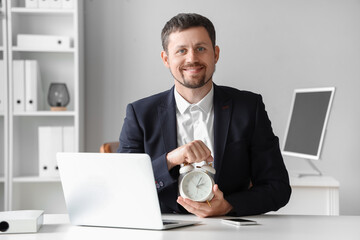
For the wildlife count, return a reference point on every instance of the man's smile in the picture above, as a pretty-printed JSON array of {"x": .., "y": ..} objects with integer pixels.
[{"x": 193, "y": 69}]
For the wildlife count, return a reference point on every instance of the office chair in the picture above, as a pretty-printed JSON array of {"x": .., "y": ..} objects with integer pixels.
[{"x": 109, "y": 147}]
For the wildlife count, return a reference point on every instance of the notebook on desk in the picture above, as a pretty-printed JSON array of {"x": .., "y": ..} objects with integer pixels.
[{"x": 112, "y": 190}]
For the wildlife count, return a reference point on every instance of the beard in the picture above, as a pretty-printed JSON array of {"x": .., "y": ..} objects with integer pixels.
[{"x": 193, "y": 84}]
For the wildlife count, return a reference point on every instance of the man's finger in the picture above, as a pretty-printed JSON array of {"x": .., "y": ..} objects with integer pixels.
[
  {"x": 188, "y": 207},
  {"x": 205, "y": 150},
  {"x": 210, "y": 159},
  {"x": 196, "y": 151},
  {"x": 198, "y": 209},
  {"x": 217, "y": 192}
]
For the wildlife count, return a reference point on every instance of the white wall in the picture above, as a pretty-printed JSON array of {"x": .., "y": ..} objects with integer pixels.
[{"x": 267, "y": 46}]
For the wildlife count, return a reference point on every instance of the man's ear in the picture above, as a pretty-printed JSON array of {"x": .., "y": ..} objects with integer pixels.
[
  {"x": 165, "y": 59},
  {"x": 217, "y": 53}
]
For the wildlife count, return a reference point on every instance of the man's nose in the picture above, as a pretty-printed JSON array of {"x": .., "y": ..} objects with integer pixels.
[{"x": 192, "y": 56}]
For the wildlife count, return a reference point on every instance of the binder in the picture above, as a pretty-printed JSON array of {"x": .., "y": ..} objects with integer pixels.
[
  {"x": 68, "y": 139},
  {"x": 67, "y": 4},
  {"x": 55, "y": 3},
  {"x": 19, "y": 85},
  {"x": 34, "y": 41},
  {"x": 54, "y": 139},
  {"x": 31, "y": 3},
  {"x": 33, "y": 87},
  {"x": 50, "y": 142},
  {"x": 44, "y": 3},
  {"x": 2, "y": 86}
]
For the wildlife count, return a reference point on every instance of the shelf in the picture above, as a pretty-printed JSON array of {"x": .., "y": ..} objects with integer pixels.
[
  {"x": 20, "y": 49},
  {"x": 22, "y": 10},
  {"x": 35, "y": 179},
  {"x": 314, "y": 181},
  {"x": 45, "y": 114},
  {"x": 24, "y": 187}
]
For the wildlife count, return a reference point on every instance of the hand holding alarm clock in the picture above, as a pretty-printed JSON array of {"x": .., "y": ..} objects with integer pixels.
[
  {"x": 196, "y": 183},
  {"x": 196, "y": 186}
]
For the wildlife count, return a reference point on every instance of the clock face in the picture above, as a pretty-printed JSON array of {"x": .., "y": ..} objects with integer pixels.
[{"x": 197, "y": 186}]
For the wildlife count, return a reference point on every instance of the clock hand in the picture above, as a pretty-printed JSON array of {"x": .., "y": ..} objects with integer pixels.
[{"x": 198, "y": 184}]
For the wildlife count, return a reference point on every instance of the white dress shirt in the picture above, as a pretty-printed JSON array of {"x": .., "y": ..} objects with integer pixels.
[{"x": 195, "y": 121}]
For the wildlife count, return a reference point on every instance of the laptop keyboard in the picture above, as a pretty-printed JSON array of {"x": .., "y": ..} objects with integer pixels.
[{"x": 168, "y": 222}]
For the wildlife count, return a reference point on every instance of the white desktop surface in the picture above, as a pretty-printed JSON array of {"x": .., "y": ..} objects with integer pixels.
[{"x": 287, "y": 227}]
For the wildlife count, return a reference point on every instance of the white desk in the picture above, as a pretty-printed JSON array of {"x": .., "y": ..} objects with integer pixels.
[
  {"x": 270, "y": 227},
  {"x": 313, "y": 195}
]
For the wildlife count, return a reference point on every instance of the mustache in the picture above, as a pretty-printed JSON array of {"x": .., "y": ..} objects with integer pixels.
[{"x": 189, "y": 65}]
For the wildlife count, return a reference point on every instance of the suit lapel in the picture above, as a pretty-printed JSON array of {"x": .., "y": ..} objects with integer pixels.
[
  {"x": 167, "y": 117},
  {"x": 222, "y": 115}
]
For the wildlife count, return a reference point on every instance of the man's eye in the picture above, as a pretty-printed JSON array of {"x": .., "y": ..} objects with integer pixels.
[
  {"x": 201, "y": 49},
  {"x": 181, "y": 51}
]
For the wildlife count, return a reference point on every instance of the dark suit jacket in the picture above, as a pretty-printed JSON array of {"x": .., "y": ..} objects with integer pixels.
[{"x": 245, "y": 149}]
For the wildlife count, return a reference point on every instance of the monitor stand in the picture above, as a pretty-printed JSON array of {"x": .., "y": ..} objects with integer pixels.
[{"x": 318, "y": 172}]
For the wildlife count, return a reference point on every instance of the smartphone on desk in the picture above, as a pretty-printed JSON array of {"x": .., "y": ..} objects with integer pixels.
[{"x": 239, "y": 221}]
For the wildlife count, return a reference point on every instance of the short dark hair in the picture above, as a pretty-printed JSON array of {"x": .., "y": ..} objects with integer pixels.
[{"x": 184, "y": 21}]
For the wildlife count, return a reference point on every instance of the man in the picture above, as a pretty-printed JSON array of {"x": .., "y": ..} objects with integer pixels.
[{"x": 197, "y": 121}]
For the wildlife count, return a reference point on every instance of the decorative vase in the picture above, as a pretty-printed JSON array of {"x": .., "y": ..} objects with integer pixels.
[{"x": 58, "y": 97}]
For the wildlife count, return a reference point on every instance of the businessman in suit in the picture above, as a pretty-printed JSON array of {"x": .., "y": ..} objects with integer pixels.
[{"x": 197, "y": 121}]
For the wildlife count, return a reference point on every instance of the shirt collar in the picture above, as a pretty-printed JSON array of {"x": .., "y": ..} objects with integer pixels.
[{"x": 204, "y": 104}]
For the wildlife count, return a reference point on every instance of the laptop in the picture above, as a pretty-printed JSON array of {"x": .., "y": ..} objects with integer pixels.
[{"x": 112, "y": 190}]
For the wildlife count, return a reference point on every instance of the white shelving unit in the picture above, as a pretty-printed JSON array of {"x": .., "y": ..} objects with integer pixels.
[
  {"x": 4, "y": 131},
  {"x": 41, "y": 11},
  {"x": 45, "y": 113},
  {"x": 19, "y": 49},
  {"x": 20, "y": 184},
  {"x": 313, "y": 195}
]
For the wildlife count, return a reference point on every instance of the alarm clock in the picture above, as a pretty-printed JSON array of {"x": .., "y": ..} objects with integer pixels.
[{"x": 196, "y": 183}]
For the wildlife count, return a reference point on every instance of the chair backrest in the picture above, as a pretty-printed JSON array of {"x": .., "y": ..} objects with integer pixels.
[{"x": 109, "y": 147}]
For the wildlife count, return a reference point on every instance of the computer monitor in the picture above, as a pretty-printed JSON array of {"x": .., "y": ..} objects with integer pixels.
[{"x": 307, "y": 122}]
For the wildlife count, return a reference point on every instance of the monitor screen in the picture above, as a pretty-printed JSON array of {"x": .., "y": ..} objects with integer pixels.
[{"x": 307, "y": 122}]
